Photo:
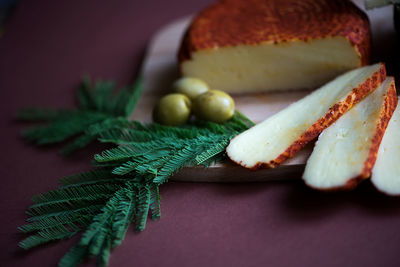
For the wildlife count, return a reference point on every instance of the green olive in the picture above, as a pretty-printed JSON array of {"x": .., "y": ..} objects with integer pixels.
[
  {"x": 172, "y": 109},
  {"x": 214, "y": 105},
  {"x": 191, "y": 87}
]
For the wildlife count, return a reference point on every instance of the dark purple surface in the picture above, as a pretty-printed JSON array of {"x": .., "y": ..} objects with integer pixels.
[{"x": 47, "y": 47}]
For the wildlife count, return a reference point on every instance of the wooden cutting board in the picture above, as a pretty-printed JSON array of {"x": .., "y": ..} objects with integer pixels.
[{"x": 160, "y": 70}]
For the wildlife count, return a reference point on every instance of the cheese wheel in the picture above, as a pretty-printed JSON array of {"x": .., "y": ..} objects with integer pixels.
[{"x": 242, "y": 46}]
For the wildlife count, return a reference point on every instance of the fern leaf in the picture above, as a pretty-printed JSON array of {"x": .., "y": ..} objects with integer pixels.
[
  {"x": 62, "y": 129},
  {"x": 143, "y": 200},
  {"x": 156, "y": 148},
  {"x": 104, "y": 254},
  {"x": 107, "y": 125},
  {"x": 149, "y": 166},
  {"x": 79, "y": 142},
  {"x": 102, "y": 95},
  {"x": 137, "y": 91},
  {"x": 95, "y": 176},
  {"x": 101, "y": 220},
  {"x": 84, "y": 96},
  {"x": 107, "y": 228},
  {"x": 65, "y": 212},
  {"x": 56, "y": 208},
  {"x": 125, "y": 136},
  {"x": 116, "y": 154},
  {"x": 144, "y": 163},
  {"x": 97, "y": 241},
  {"x": 74, "y": 256},
  {"x": 119, "y": 102},
  {"x": 155, "y": 199},
  {"x": 97, "y": 230},
  {"x": 126, "y": 168},
  {"x": 44, "y": 237},
  {"x": 125, "y": 213},
  {"x": 50, "y": 222},
  {"x": 96, "y": 106},
  {"x": 70, "y": 198},
  {"x": 217, "y": 158},
  {"x": 241, "y": 118},
  {"x": 91, "y": 192},
  {"x": 41, "y": 114},
  {"x": 179, "y": 160},
  {"x": 217, "y": 148}
]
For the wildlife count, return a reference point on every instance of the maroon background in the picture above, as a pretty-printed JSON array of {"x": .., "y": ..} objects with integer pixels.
[{"x": 47, "y": 47}]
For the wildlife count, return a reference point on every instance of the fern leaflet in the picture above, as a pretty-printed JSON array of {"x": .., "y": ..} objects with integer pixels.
[{"x": 97, "y": 107}]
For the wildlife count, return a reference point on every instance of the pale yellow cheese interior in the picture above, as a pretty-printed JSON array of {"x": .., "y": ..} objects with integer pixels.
[
  {"x": 271, "y": 67},
  {"x": 270, "y": 138},
  {"x": 342, "y": 149},
  {"x": 386, "y": 172}
]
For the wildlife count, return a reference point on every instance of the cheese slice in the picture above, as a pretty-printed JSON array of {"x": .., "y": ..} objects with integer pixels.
[
  {"x": 346, "y": 151},
  {"x": 258, "y": 46},
  {"x": 279, "y": 137},
  {"x": 386, "y": 172}
]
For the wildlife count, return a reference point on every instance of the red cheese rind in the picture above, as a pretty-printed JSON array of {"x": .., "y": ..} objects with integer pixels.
[
  {"x": 330, "y": 117},
  {"x": 252, "y": 22},
  {"x": 390, "y": 105}
]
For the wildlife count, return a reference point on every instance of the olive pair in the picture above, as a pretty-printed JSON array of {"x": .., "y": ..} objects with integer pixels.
[{"x": 193, "y": 94}]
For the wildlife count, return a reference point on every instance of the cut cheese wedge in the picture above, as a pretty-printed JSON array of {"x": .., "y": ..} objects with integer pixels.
[
  {"x": 248, "y": 46},
  {"x": 386, "y": 172},
  {"x": 346, "y": 151},
  {"x": 279, "y": 137}
]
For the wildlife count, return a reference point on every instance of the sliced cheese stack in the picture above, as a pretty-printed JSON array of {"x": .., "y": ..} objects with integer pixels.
[
  {"x": 279, "y": 137},
  {"x": 242, "y": 46},
  {"x": 346, "y": 151},
  {"x": 386, "y": 172}
]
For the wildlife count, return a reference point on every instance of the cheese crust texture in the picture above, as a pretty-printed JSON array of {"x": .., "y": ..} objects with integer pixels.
[
  {"x": 279, "y": 137},
  {"x": 345, "y": 153},
  {"x": 386, "y": 171},
  {"x": 243, "y": 46}
]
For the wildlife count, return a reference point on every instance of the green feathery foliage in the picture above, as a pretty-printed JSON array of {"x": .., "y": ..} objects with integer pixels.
[
  {"x": 108, "y": 228},
  {"x": 66, "y": 211},
  {"x": 157, "y": 152},
  {"x": 96, "y": 106},
  {"x": 124, "y": 188}
]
